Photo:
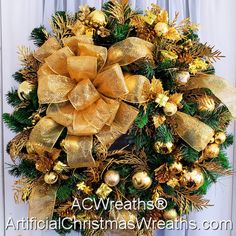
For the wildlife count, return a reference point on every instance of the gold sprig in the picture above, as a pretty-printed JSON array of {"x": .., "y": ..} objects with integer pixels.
[
  {"x": 216, "y": 168},
  {"x": 18, "y": 143},
  {"x": 120, "y": 11}
]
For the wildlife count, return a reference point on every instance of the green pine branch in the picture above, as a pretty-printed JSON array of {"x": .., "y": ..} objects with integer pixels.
[
  {"x": 13, "y": 98},
  {"x": 39, "y": 36}
]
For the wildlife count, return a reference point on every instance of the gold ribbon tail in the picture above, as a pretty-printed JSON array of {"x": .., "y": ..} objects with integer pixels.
[{"x": 194, "y": 132}]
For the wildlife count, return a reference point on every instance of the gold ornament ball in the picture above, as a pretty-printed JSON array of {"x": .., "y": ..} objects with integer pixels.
[
  {"x": 24, "y": 89},
  {"x": 161, "y": 28},
  {"x": 141, "y": 180},
  {"x": 176, "y": 167},
  {"x": 112, "y": 178},
  {"x": 170, "y": 214},
  {"x": 170, "y": 109},
  {"x": 212, "y": 140},
  {"x": 163, "y": 148},
  {"x": 206, "y": 103},
  {"x": 98, "y": 17},
  {"x": 51, "y": 177},
  {"x": 220, "y": 137},
  {"x": 192, "y": 180},
  {"x": 182, "y": 77},
  {"x": 212, "y": 150}
]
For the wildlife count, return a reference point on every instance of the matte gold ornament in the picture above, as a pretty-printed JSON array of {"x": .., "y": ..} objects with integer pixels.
[
  {"x": 97, "y": 17},
  {"x": 170, "y": 109},
  {"x": 206, "y": 103},
  {"x": 176, "y": 167},
  {"x": 182, "y": 77},
  {"x": 51, "y": 177},
  {"x": 163, "y": 148},
  {"x": 24, "y": 89},
  {"x": 141, "y": 180},
  {"x": 161, "y": 28},
  {"x": 112, "y": 178},
  {"x": 192, "y": 180},
  {"x": 220, "y": 137},
  {"x": 170, "y": 214},
  {"x": 212, "y": 150},
  {"x": 103, "y": 191}
]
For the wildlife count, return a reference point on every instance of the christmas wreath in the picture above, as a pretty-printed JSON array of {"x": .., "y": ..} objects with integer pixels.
[{"x": 119, "y": 106}]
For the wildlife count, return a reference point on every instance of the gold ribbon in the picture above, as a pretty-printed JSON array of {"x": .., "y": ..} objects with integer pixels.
[
  {"x": 221, "y": 88},
  {"x": 194, "y": 132},
  {"x": 42, "y": 201},
  {"x": 84, "y": 86}
]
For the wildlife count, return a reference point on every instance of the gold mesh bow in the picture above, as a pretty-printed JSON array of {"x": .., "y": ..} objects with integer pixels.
[{"x": 86, "y": 93}]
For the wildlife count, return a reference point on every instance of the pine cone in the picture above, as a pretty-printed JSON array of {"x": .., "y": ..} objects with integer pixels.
[
  {"x": 154, "y": 215},
  {"x": 44, "y": 164},
  {"x": 162, "y": 174}
]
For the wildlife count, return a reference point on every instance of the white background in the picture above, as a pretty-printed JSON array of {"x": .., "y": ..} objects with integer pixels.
[{"x": 19, "y": 17}]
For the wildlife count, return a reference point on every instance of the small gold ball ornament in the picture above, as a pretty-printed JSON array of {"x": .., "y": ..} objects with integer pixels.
[
  {"x": 97, "y": 17},
  {"x": 161, "y": 28},
  {"x": 170, "y": 214},
  {"x": 24, "y": 89},
  {"x": 206, "y": 103},
  {"x": 212, "y": 150},
  {"x": 182, "y": 77},
  {"x": 51, "y": 177},
  {"x": 176, "y": 167},
  {"x": 192, "y": 180},
  {"x": 163, "y": 148},
  {"x": 170, "y": 109},
  {"x": 141, "y": 180},
  {"x": 220, "y": 137},
  {"x": 112, "y": 178}
]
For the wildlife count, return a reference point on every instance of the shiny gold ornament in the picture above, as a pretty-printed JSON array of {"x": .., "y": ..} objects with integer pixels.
[
  {"x": 212, "y": 140},
  {"x": 103, "y": 191},
  {"x": 112, "y": 178},
  {"x": 176, "y": 167},
  {"x": 182, "y": 77},
  {"x": 170, "y": 214},
  {"x": 220, "y": 137},
  {"x": 192, "y": 180},
  {"x": 161, "y": 28},
  {"x": 212, "y": 150},
  {"x": 141, "y": 180},
  {"x": 163, "y": 148},
  {"x": 161, "y": 100},
  {"x": 24, "y": 89},
  {"x": 206, "y": 103},
  {"x": 97, "y": 17},
  {"x": 51, "y": 177},
  {"x": 170, "y": 109}
]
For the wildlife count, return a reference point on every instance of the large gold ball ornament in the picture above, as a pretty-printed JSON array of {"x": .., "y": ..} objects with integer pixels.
[
  {"x": 170, "y": 214},
  {"x": 112, "y": 178},
  {"x": 182, "y": 77},
  {"x": 192, "y": 180},
  {"x": 24, "y": 89},
  {"x": 97, "y": 17},
  {"x": 161, "y": 28},
  {"x": 176, "y": 167},
  {"x": 170, "y": 109},
  {"x": 220, "y": 137},
  {"x": 206, "y": 103},
  {"x": 51, "y": 177},
  {"x": 141, "y": 180},
  {"x": 163, "y": 148},
  {"x": 212, "y": 150}
]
